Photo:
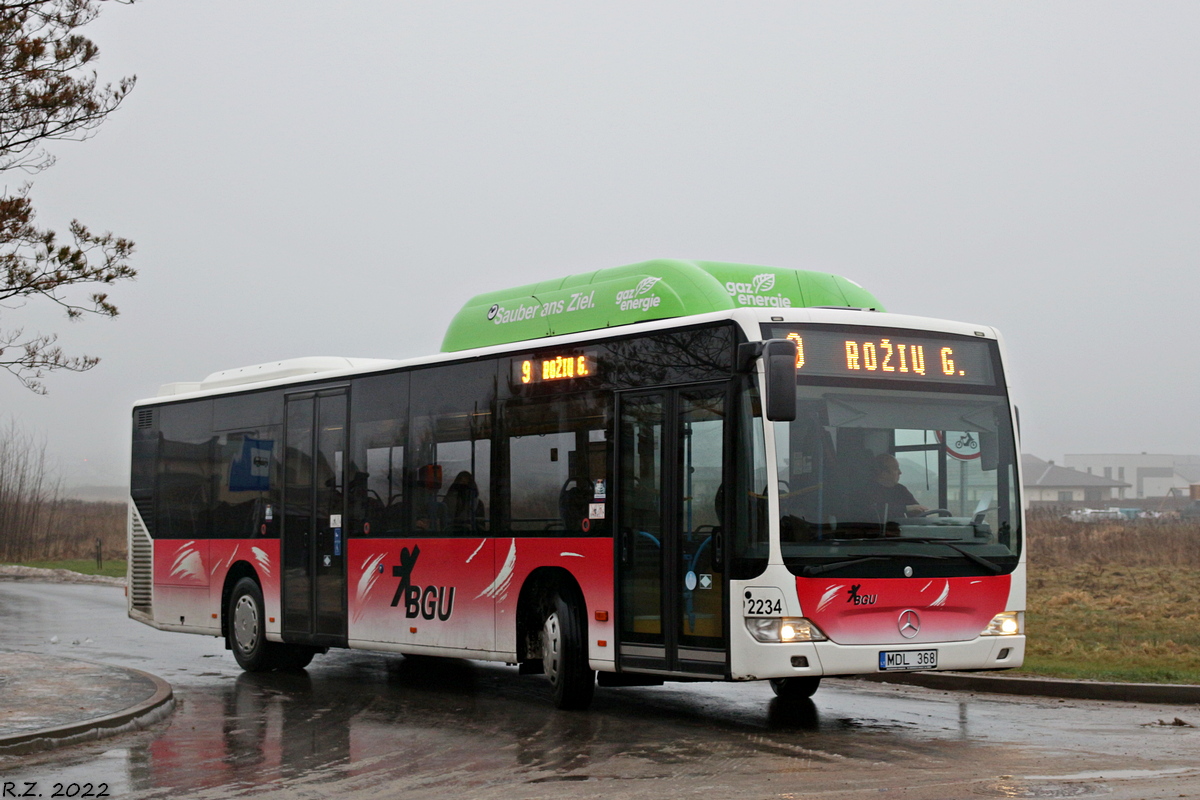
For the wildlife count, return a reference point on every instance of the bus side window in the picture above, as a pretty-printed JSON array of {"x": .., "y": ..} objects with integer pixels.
[
  {"x": 558, "y": 454},
  {"x": 248, "y": 484},
  {"x": 379, "y": 434},
  {"x": 450, "y": 453},
  {"x": 186, "y": 471},
  {"x": 378, "y": 491}
]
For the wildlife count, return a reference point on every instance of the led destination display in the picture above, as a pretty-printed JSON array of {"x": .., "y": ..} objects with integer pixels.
[
  {"x": 893, "y": 355},
  {"x": 553, "y": 368}
]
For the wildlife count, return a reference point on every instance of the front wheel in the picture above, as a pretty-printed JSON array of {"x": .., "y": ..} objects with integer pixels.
[
  {"x": 795, "y": 688},
  {"x": 564, "y": 655}
]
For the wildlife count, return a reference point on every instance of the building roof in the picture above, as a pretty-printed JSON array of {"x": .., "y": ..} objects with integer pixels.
[{"x": 1048, "y": 475}]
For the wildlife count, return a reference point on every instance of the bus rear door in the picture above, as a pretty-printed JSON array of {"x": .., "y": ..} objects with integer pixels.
[{"x": 314, "y": 546}]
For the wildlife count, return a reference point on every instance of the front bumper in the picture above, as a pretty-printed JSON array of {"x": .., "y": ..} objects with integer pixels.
[{"x": 752, "y": 660}]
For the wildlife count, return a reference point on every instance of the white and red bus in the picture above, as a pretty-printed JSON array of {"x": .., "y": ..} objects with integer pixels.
[{"x": 673, "y": 470}]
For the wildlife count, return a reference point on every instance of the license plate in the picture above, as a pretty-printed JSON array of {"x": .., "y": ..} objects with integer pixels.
[{"x": 907, "y": 659}]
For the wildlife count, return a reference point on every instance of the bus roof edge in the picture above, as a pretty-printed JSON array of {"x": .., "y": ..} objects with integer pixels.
[{"x": 275, "y": 370}]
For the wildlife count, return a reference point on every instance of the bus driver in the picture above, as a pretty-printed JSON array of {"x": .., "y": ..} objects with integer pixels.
[{"x": 885, "y": 496}]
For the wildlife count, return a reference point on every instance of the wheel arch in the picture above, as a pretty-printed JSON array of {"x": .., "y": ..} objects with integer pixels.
[{"x": 534, "y": 601}]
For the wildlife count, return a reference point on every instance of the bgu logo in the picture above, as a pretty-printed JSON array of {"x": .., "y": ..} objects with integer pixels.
[
  {"x": 428, "y": 602},
  {"x": 860, "y": 599}
]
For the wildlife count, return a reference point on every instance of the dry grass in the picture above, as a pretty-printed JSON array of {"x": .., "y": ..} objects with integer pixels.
[
  {"x": 1148, "y": 543},
  {"x": 79, "y": 524},
  {"x": 68, "y": 529},
  {"x": 1114, "y": 601},
  {"x": 36, "y": 520}
]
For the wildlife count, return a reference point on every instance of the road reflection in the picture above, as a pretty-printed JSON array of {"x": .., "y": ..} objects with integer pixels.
[
  {"x": 793, "y": 715},
  {"x": 362, "y": 725},
  {"x": 431, "y": 717}
]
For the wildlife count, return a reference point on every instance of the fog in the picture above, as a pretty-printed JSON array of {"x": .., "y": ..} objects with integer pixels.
[{"x": 322, "y": 179}]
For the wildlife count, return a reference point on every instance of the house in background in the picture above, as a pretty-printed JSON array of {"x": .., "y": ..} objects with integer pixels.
[
  {"x": 1048, "y": 484},
  {"x": 1148, "y": 475}
]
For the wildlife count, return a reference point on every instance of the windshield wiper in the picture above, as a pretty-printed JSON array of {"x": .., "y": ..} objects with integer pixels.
[
  {"x": 810, "y": 571},
  {"x": 980, "y": 560},
  {"x": 991, "y": 566}
]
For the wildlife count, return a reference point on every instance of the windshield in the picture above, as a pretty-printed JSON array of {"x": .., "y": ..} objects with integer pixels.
[{"x": 874, "y": 481}]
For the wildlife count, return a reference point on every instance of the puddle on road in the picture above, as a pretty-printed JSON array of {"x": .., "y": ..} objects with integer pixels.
[
  {"x": 1044, "y": 790},
  {"x": 1114, "y": 774},
  {"x": 395, "y": 718}
]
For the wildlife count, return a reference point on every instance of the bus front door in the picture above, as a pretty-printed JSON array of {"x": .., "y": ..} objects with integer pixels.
[
  {"x": 671, "y": 579},
  {"x": 314, "y": 546}
]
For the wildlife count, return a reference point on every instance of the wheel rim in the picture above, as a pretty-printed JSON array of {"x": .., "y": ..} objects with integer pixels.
[
  {"x": 245, "y": 623},
  {"x": 551, "y": 647}
]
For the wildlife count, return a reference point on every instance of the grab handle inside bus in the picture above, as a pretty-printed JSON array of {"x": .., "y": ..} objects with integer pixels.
[{"x": 779, "y": 359}]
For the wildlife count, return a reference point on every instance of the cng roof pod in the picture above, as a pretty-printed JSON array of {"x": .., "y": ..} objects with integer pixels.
[{"x": 651, "y": 290}]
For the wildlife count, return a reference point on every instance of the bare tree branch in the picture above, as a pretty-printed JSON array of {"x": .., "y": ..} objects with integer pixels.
[{"x": 48, "y": 92}]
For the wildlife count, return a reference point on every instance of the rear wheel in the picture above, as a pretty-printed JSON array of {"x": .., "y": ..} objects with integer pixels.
[
  {"x": 248, "y": 629},
  {"x": 248, "y": 634},
  {"x": 564, "y": 655},
  {"x": 795, "y": 688}
]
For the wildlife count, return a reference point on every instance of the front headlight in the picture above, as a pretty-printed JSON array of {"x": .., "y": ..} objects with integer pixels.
[
  {"x": 783, "y": 629},
  {"x": 1007, "y": 623}
]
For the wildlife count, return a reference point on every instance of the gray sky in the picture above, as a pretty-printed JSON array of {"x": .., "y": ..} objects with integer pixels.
[{"x": 321, "y": 179}]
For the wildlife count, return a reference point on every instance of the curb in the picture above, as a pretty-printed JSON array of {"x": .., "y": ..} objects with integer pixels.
[
  {"x": 136, "y": 717},
  {"x": 1160, "y": 693}
]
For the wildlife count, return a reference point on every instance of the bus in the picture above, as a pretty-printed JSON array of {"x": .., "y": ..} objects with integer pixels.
[{"x": 667, "y": 471}]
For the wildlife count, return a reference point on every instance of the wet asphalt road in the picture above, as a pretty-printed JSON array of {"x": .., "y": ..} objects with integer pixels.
[{"x": 358, "y": 725}]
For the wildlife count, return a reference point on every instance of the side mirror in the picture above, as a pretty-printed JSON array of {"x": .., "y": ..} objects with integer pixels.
[
  {"x": 779, "y": 358},
  {"x": 989, "y": 450}
]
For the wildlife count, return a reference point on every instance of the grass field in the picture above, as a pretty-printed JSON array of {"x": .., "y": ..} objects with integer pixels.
[{"x": 1114, "y": 601}]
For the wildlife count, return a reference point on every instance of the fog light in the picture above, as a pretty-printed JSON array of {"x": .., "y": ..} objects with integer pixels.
[
  {"x": 783, "y": 629},
  {"x": 1007, "y": 623}
]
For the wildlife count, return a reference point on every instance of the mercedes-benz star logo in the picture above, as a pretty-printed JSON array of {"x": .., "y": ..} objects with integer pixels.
[{"x": 909, "y": 624}]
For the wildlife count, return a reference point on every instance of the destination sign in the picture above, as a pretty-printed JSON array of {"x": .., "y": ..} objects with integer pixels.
[
  {"x": 890, "y": 355},
  {"x": 548, "y": 368}
]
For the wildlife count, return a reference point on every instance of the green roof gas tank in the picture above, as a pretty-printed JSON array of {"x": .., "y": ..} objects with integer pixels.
[{"x": 658, "y": 289}]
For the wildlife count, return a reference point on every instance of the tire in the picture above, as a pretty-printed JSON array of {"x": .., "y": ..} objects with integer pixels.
[
  {"x": 564, "y": 655},
  {"x": 248, "y": 627},
  {"x": 795, "y": 688},
  {"x": 248, "y": 634}
]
